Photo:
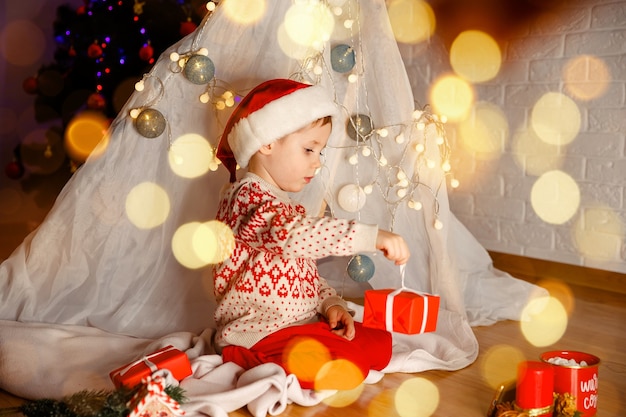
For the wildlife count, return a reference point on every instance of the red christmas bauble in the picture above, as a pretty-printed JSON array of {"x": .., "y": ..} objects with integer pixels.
[
  {"x": 30, "y": 85},
  {"x": 96, "y": 101},
  {"x": 146, "y": 52},
  {"x": 187, "y": 27},
  {"x": 14, "y": 170},
  {"x": 94, "y": 51},
  {"x": 80, "y": 10}
]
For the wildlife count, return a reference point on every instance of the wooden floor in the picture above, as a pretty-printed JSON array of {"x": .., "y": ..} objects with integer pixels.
[{"x": 596, "y": 325}]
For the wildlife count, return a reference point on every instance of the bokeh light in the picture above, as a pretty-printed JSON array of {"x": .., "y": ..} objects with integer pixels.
[
  {"x": 561, "y": 291},
  {"x": 190, "y": 156},
  {"x": 147, "y": 205},
  {"x": 556, "y": 119},
  {"x": 586, "y": 77},
  {"x": 83, "y": 133},
  {"x": 291, "y": 48},
  {"x": 599, "y": 233},
  {"x": 42, "y": 151},
  {"x": 309, "y": 23},
  {"x": 534, "y": 155},
  {"x": 196, "y": 245},
  {"x": 544, "y": 321},
  {"x": 305, "y": 357},
  {"x": 213, "y": 242},
  {"x": 499, "y": 365},
  {"x": 182, "y": 246},
  {"x": 555, "y": 197},
  {"x": 23, "y": 42},
  {"x": 485, "y": 131},
  {"x": 339, "y": 374},
  {"x": 246, "y": 12},
  {"x": 416, "y": 397},
  {"x": 452, "y": 97},
  {"x": 475, "y": 56},
  {"x": 412, "y": 21},
  {"x": 344, "y": 398}
]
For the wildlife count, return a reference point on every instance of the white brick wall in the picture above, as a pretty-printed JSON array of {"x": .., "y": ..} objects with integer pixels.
[{"x": 493, "y": 200}]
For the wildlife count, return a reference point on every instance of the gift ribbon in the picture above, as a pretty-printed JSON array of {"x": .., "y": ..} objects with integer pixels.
[
  {"x": 389, "y": 304},
  {"x": 146, "y": 359}
]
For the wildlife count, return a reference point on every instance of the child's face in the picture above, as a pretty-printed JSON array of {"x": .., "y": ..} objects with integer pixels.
[{"x": 294, "y": 159}]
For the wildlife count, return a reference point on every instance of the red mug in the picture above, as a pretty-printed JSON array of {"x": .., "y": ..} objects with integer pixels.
[{"x": 575, "y": 380}]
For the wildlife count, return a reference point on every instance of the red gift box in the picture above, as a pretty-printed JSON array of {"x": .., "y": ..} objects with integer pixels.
[
  {"x": 402, "y": 311},
  {"x": 168, "y": 358}
]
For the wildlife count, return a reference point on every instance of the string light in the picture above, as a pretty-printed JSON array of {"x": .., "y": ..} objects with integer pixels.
[{"x": 410, "y": 140}]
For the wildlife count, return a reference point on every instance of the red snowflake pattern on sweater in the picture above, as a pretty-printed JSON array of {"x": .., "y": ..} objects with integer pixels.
[{"x": 271, "y": 279}]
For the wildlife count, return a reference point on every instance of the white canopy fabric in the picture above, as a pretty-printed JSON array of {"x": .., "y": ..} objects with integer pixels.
[{"x": 88, "y": 274}]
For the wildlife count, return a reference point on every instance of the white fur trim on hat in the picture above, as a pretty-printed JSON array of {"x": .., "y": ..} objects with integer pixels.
[{"x": 281, "y": 117}]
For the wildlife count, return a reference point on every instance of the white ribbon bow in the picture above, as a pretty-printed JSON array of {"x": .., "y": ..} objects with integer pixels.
[
  {"x": 146, "y": 359},
  {"x": 389, "y": 304}
]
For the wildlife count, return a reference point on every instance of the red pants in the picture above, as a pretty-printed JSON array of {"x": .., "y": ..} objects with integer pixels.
[{"x": 319, "y": 358}]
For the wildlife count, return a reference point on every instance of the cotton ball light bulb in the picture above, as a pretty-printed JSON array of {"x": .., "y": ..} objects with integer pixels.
[
  {"x": 419, "y": 148},
  {"x": 359, "y": 126},
  {"x": 174, "y": 57},
  {"x": 438, "y": 224},
  {"x": 382, "y": 161},
  {"x": 361, "y": 268},
  {"x": 210, "y": 6},
  {"x": 150, "y": 123},
  {"x": 366, "y": 151},
  {"x": 417, "y": 114},
  {"x": 199, "y": 69},
  {"x": 454, "y": 183},
  {"x": 430, "y": 163},
  {"x": 134, "y": 113},
  {"x": 383, "y": 133},
  {"x": 401, "y": 192},
  {"x": 446, "y": 166},
  {"x": 439, "y": 140},
  {"x": 351, "y": 198},
  {"x": 139, "y": 85},
  {"x": 400, "y": 139},
  {"x": 415, "y": 205},
  {"x": 204, "y": 98},
  {"x": 368, "y": 189},
  {"x": 342, "y": 58},
  {"x": 353, "y": 78},
  {"x": 353, "y": 160}
]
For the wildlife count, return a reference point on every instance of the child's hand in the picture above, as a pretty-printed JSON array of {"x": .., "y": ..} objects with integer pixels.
[
  {"x": 341, "y": 322},
  {"x": 393, "y": 246}
]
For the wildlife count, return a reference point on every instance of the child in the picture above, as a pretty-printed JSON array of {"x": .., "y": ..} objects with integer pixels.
[{"x": 269, "y": 293}]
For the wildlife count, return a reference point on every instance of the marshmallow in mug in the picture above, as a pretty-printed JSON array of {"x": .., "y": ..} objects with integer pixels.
[{"x": 557, "y": 360}]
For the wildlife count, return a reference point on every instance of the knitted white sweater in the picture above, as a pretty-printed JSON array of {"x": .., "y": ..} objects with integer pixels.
[{"x": 271, "y": 280}]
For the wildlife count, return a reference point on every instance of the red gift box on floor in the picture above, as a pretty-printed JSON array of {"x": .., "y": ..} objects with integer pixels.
[
  {"x": 402, "y": 311},
  {"x": 168, "y": 358}
]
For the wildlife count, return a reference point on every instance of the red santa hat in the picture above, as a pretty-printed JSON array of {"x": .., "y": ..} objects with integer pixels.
[{"x": 269, "y": 112}]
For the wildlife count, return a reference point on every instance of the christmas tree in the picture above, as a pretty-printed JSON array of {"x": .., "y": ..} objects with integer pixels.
[{"x": 103, "y": 49}]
